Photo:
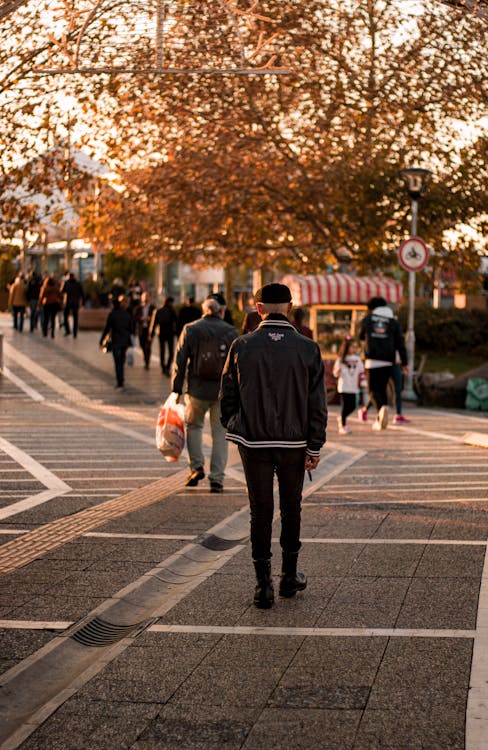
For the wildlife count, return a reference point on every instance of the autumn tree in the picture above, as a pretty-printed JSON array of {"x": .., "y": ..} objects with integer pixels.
[{"x": 281, "y": 170}]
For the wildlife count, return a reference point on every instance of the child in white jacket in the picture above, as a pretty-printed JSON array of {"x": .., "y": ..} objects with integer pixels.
[{"x": 349, "y": 369}]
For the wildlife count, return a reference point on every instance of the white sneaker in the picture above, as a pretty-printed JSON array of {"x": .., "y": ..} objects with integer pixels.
[
  {"x": 383, "y": 417},
  {"x": 344, "y": 430},
  {"x": 377, "y": 425}
]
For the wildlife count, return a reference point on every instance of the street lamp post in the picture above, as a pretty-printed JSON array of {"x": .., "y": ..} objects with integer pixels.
[{"x": 416, "y": 180}]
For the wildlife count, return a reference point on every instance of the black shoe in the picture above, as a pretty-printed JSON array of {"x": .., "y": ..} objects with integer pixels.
[
  {"x": 194, "y": 477},
  {"x": 264, "y": 592},
  {"x": 216, "y": 487},
  {"x": 291, "y": 581}
]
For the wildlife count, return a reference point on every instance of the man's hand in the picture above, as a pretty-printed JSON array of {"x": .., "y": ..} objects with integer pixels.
[{"x": 311, "y": 462}]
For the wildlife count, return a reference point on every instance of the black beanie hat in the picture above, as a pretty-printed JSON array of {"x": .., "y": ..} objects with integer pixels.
[{"x": 273, "y": 294}]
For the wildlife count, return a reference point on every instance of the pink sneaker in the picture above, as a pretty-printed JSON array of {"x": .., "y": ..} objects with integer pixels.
[
  {"x": 400, "y": 419},
  {"x": 362, "y": 414}
]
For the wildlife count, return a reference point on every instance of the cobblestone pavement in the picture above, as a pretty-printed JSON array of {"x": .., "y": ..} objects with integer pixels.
[{"x": 126, "y": 599}]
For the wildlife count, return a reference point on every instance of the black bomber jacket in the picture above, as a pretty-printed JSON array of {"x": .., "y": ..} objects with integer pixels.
[{"x": 272, "y": 392}]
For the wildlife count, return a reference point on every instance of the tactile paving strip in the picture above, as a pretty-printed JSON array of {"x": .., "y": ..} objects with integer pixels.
[{"x": 38, "y": 542}]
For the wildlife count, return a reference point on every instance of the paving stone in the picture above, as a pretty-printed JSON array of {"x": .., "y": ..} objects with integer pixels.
[
  {"x": 438, "y": 603},
  {"x": 421, "y": 672},
  {"x": 345, "y": 659},
  {"x": 451, "y": 562},
  {"x": 52, "y": 608},
  {"x": 205, "y": 726},
  {"x": 391, "y": 561},
  {"x": 228, "y": 686},
  {"x": 365, "y": 602},
  {"x": 317, "y": 688},
  {"x": 16, "y": 645},
  {"x": 303, "y": 729},
  {"x": 409, "y": 729}
]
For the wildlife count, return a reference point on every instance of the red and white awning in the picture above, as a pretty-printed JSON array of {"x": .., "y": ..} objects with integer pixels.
[{"x": 341, "y": 288}]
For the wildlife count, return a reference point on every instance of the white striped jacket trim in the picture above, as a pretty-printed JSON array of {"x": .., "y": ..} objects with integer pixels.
[
  {"x": 284, "y": 323},
  {"x": 271, "y": 443}
]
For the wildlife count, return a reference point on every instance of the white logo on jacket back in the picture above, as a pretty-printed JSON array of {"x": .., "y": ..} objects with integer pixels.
[{"x": 276, "y": 336}]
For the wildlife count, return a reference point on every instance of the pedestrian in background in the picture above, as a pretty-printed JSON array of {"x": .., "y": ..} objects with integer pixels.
[
  {"x": 187, "y": 314},
  {"x": 32, "y": 295},
  {"x": 118, "y": 330},
  {"x": 73, "y": 298},
  {"x": 252, "y": 318},
  {"x": 143, "y": 315},
  {"x": 50, "y": 299},
  {"x": 200, "y": 356},
  {"x": 17, "y": 300},
  {"x": 382, "y": 338},
  {"x": 397, "y": 377},
  {"x": 298, "y": 323},
  {"x": 273, "y": 404},
  {"x": 349, "y": 370},
  {"x": 165, "y": 320}
]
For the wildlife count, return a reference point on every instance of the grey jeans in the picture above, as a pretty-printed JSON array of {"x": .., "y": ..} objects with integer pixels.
[{"x": 195, "y": 417}]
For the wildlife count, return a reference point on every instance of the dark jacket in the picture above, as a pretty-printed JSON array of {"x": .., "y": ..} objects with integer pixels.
[
  {"x": 187, "y": 314},
  {"x": 74, "y": 293},
  {"x": 273, "y": 389},
  {"x": 210, "y": 326},
  {"x": 165, "y": 319},
  {"x": 120, "y": 325},
  {"x": 382, "y": 337}
]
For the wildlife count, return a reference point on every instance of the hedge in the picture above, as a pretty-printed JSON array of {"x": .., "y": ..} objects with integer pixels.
[{"x": 449, "y": 331}]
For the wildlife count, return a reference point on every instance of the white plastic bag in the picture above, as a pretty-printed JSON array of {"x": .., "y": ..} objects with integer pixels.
[
  {"x": 170, "y": 429},
  {"x": 130, "y": 357}
]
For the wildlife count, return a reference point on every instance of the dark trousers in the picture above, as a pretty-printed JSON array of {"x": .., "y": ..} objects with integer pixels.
[
  {"x": 378, "y": 378},
  {"x": 166, "y": 342},
  {"x": 397, "y": 377},
  {"x": 348, "y": 401},
  {"x": 34, "y": 314},
  {"x": 260, "y": 465},
  {"x": 73, "y": 309},
  {"x": 118, "y": 353},
  {"x": 49, "y": 317},
  {"x": 19, "y": 312},
  {"x": 145, "y": 344}
]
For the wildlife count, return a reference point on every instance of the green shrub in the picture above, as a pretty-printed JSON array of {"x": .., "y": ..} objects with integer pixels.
[{"x": 448, "y": 331}]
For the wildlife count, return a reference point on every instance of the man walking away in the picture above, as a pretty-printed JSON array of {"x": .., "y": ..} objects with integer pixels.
[
  {"x": 187, "y": 314},
  {"x": 164, "y": 318},
  {"x": 202, "y": 350},
  {"x": 73, "y": 297},
  {"x": 382, "y": 338},
  {"x": 32, "y": 294},
  {"x": 143, "y": 315},
  {"x": 119, "y": 328},
  {"x": 273, "y": 404}
]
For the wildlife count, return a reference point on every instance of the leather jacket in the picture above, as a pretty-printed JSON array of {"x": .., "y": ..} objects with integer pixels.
[{"x": 273, "y": 389}]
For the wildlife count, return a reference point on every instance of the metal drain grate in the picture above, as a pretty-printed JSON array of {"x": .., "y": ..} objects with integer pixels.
[
  {"x": 213, "y": 542},
  {"x": 98, "y": 632}
]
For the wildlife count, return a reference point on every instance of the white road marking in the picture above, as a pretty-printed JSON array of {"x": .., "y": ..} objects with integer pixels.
[
  {"x": 54, "y": 485},
  {"x": 313, "y": 632},
  {"x": 33, "y": 394},
  {"x": 55, "y": 383},
  {"x": 261, "y": 630},
  {"x": 392, "y": 501},
  {"x": 477, "y": 708}
]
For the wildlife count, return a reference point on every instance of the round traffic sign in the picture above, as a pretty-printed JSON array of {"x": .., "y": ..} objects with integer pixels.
[{"x": 413, "y": 254}]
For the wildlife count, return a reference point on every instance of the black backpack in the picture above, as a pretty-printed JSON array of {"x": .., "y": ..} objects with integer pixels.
[{"x": 210, "y": 358}]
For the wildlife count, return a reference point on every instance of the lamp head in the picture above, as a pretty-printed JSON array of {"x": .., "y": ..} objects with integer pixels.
[{"x": 416, "y": 180}]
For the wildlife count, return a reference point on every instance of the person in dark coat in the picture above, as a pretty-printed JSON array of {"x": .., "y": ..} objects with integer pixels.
[
  {"x": 165, "y": 320},
  {"x": 143, "y": 316},
  {"x": 73, "y": 296},
  {"x": 196, "y": 341},
  {"x": 187, "y": 314},
  {"x": 298, "y": 323},
  {"x": 50, "y": 299},
  {"x": 34, "y": 282},
  {"x": 273, "y": 404},
  {"x": 119, "y": 328}
]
